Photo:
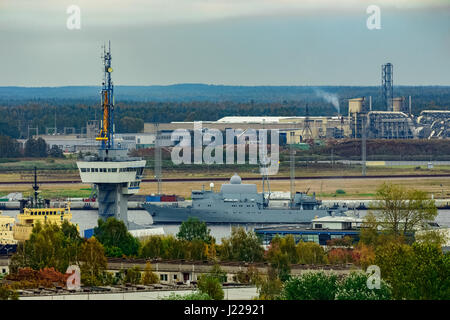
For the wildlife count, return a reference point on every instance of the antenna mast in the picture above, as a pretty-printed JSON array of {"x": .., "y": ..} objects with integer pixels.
[{"x": 106, "y": 135}]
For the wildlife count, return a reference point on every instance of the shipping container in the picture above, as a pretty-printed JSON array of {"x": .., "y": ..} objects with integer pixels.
[
  {"x": 88, "y": 233},
  {"x": 168, "y": 198},
  {"x": 153, "y": 199}
]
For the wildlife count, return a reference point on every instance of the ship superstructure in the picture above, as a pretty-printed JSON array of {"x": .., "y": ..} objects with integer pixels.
[
  {"x": 36, "y": 210},
  {"x": 7, "y": 242},
  {"x": 240, "y": 203}
]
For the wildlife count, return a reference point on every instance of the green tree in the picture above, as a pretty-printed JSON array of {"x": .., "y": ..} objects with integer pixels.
[
  {"x": 9, "y": 147},
  {"x": 241, "y": 246},
  {"x": 288, "y": 247},
  {"x": 419, "y": 271},
  {"x": 35, "y": 148},
  {"x": 49, "y": 246},
  {"x": 354, "y": 287},
  {"x": 210, "y": 285},
  {"x": 93, "y": 262},
  {"x": 279, "y": 260},
  {"x": 401, "y": 210},
  {"x": 133, "y": 275},
  {"x": 130, "y": 125},
  {"x": 436, "y": 237},
  {"x": 114, "y": 233},
  {"x": 194, "y": 229},
  {"x": 311, "y": 286},
  {"x": 310, "y": 253},
  {"x": 55, "y": 152},
  {"x": 217, "y": 272},
  {"x": 151, "y": 247},
  {"x": 269, "y": 287}
]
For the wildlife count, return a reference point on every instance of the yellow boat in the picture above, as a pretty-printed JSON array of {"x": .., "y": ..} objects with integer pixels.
[{"x": 30, "y": 216}]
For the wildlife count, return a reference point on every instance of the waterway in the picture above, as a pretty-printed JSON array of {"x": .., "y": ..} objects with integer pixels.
[{"x": 87, "y": 219}]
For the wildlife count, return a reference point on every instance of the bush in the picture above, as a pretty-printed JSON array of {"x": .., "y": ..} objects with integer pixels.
[
  {"x": 133, "y": 275},
  {"x": 340, "y": 242},
  {"x": 354, "y": 287},
  {"x": 311, "y": 286},
  {"x": 210, "y": 285},
  {"x": 339, "y": 256},
  {"x": 189, "y": 296},
  {"x": 27, "y": 278},
  {"x": 251, "y": 275},
  {"x": 7, "y": 293}
]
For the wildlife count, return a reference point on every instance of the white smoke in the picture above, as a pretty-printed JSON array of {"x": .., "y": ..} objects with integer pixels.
[{"x": 329, "y": 97}]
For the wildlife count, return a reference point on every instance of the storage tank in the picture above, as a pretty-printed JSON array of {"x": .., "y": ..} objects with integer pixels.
[
  {"x": 398, "y": 104},
  {"x": 355, "y": 105}
]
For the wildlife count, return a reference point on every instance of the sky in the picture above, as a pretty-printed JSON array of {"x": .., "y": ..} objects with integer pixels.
[{"x": 225, "y": 42}]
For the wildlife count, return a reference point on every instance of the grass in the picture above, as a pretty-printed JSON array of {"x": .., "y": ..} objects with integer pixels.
[
  {"x": 65, "y": 169},
  {"x": 324, "y": 189},
  {"x": 53, "y": 192}
]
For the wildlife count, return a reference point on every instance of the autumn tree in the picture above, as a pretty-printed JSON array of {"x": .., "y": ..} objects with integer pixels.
[
  {"x": 280, "y": 262},
  {"x": 419, "y": 271},
  {"x": 310, "y": 253},
  {"x": 210, "y": 285},
  {"x": 269, "y": 287},
  {"x": 7, "y": 293},
  {"x": 400, "y": 210},
  {"x": 49, "y": 246},
  {"x": 93, "y": 262},
  {"x": 241, "y": 246},
  {"x": 149, "y": 276},
  {"x": 133, "y": 275}
]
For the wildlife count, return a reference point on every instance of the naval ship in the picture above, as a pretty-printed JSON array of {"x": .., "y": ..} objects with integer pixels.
[{"x": 240, "y": 203}]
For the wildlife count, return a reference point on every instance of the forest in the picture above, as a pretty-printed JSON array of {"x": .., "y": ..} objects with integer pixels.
[{"x": 72, "y": 107}]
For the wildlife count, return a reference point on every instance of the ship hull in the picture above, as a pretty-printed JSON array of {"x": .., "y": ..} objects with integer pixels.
[{"x": 172, "y": 214}]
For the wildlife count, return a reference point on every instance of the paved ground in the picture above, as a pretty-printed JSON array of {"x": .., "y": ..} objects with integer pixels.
[{"x": 230, "y": 294}]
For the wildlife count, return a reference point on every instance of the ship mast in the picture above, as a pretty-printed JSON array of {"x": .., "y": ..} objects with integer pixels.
[{"x": 35, "y": 188}]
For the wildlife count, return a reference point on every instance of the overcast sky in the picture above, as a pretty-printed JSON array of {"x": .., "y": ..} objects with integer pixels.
[{"x": 231, "y": 42}]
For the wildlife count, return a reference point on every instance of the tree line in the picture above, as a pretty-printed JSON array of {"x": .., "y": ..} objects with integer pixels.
[
  {"x": 131, "y": 111},
  {"x": 33, "y": 148}
]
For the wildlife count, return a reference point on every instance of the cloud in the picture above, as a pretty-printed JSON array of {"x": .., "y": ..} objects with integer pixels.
[{"x": 118, "y": 12}]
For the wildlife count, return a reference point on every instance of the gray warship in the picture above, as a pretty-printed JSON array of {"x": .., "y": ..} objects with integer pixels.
[{"x": 238, "y": 203}]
